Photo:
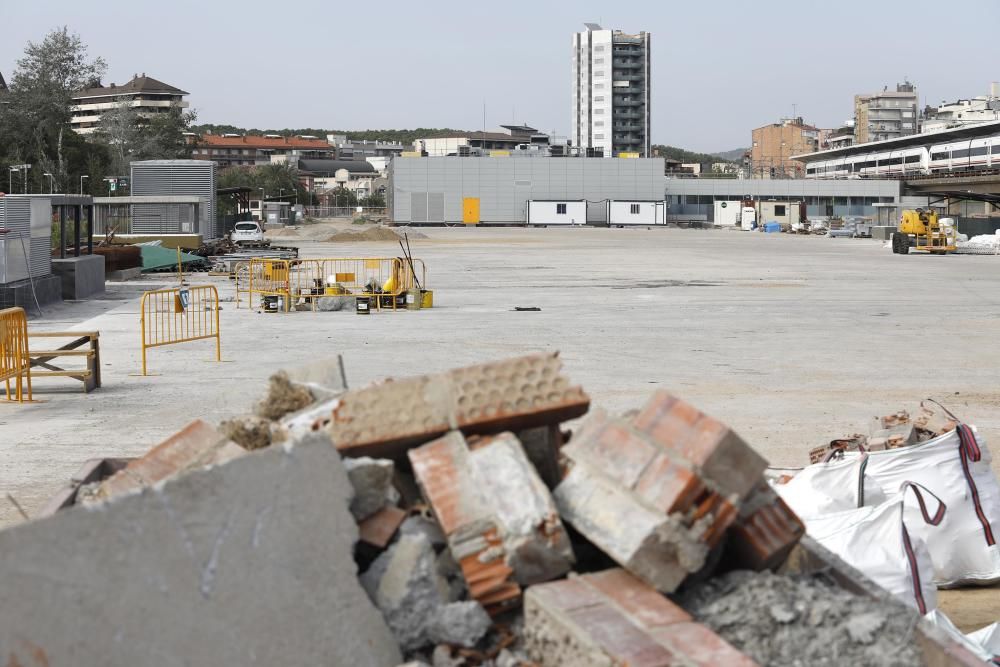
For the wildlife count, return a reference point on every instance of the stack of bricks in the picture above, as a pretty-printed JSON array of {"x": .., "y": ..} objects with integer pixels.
[
  {"x": 501, "y": 524},
  {"x": 659, "y": 491},
  {"x": 613, "y": 618}
]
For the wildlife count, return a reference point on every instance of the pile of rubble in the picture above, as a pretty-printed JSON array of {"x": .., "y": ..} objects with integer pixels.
[
  {"x": 890, "y": 432},
  {"x": 458, "y": 507}
]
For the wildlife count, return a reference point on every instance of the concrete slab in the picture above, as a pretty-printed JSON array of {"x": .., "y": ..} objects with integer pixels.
[
  {"x": 82, "y": 277},
  {"x": 196, "y": 570}
]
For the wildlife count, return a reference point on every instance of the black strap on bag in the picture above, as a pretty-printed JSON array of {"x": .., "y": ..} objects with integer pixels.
[{"x": 911, "y": 556}]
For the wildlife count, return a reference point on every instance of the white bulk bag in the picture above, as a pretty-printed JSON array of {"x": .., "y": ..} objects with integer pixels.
[
  {"x": 983, "y": 643},
  {"x": 879, "y": 542},
  {"x": 956, "y": 468},
  {"x": 832, "y": 486}
]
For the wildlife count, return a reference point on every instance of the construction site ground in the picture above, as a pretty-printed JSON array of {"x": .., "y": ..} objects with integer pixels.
[{"x": 791, "y": 340}]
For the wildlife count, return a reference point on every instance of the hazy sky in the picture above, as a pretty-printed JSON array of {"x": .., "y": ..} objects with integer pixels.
[{"x": 720, "y": 68}]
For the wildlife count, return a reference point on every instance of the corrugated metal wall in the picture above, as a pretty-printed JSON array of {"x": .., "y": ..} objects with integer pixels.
[
  {"x": 174, "y": 177},
  {"x": 30, "y": 219},
  {"x": 431, "y": 189}
]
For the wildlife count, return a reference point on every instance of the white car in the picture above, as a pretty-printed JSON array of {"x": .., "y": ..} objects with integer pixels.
[{"x": 247, "y": 232}]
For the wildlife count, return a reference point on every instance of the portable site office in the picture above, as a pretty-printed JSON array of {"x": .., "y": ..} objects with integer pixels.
[
  {"x": 623, "y": 212},
  {"x": 556, "y": 212}
]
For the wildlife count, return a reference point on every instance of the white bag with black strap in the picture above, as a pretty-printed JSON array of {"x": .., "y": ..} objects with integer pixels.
[
  {"x": 956, "y": 468},
  {"x": 878, "y": 542},
  {"x": 835, "y": 485}
]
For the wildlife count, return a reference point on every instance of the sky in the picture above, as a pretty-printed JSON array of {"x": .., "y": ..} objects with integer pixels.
[{"x": 719, "y": 68}]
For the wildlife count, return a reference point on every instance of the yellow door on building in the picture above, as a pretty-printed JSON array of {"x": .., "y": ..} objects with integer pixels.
[{"x": 470, "y": 210}]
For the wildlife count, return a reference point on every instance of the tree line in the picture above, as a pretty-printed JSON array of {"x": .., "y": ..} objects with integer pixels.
[{"x": 35, "y": 115}]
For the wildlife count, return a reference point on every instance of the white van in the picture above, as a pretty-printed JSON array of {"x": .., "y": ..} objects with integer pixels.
[{"x": 247, "y": 232}]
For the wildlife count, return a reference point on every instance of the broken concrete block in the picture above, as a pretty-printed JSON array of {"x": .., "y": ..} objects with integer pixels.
[
  {"x": 765, "y": 531},
  {"x": 405, "y": 586},
  {"x": 428, "y": 527},
  {"x": 324, "y": 378},
  {"x": 721, "y": 456},
  {"x": 249, "y": 562},
  {"x": 283, "y": 397},
  {"x": 378, "y": 529},
  {"x": 501, "y": 523},
  {"x": 850, "y": 443},
  {"x": 372, "y": 482},
  {"x": 639, "y": 502},
  {"x": 195, "y": 446},
  {"x": 612, "y": 618},
  {"x": 459, "y": 624},
  {"x": 508, "y": 395},
  {"x": 889, "y": 421}
]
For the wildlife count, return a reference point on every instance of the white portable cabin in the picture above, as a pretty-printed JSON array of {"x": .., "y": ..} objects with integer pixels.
[
  {"x": 727, "y": 213},
  {"x": 556, "y": 212},
  {"x": 622, "y": 212}
]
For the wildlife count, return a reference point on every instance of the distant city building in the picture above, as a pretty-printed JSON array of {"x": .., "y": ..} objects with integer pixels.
[
  {"x": 323, "y": 176},
  {"x": 252, "y": 149},
  {"x": 886, "y": 115},
  {"x": 147, "y": 95},
  {"x": 611, "y": 92},
  {"x": 774, "y": 145},
  {"x": 981, "y": 109},
  {"x": 838, "y": 137},
  {"x": 512, "y": 139},
  {"x": 359, "y": 149}
]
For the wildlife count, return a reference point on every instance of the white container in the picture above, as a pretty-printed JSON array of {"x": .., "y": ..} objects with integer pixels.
[
  {"x": 727, "y": 213},
  {"x": 556, "y": 212},
  {"x": 623, "y": 213}
]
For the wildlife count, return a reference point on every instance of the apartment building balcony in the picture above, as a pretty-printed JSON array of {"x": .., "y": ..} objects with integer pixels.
[
  {"x": 628, "y": 115},
  {"x": 627, "y": 75},
  {"x": 628, "y": 127},
  {"x": 626, "y": 64},
  {"x": 628, "y": 140},
  {"x": 627, "y": 102}
]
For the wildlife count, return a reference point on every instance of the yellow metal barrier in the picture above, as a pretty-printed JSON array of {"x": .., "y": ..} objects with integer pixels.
[
  {"x": 304, "y": 281},
  {"x": 15, "y": 364},
  {"x": 180, "y": 315}
]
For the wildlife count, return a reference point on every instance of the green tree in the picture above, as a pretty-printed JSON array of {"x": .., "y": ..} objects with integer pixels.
[
  {"x": 130, "y": 135},
  {"x": 36, "y": 111},
  {"x": 274, "y": 179}
]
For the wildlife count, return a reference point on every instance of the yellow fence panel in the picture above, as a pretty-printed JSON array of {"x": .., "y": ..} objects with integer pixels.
[
  {"x": 180, "y": 315},
  {"x": 301, "y": 282},
  {"x": 15, "y": 364}
]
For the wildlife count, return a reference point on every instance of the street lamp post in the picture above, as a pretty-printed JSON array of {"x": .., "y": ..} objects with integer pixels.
[
  {"x": 81, "y": 182},
  {"x": 24, "y": 173},
  {"x": 10, "y": 179},
  {"x": 51, "y": 181}
]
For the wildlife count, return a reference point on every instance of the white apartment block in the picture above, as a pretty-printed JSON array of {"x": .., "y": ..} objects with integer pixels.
[
  {"x": 611, "y": 92},
  {"x": 981, "y": 109},
  {"x": 146, "y": 94},
  {"x": 886, "y": 115}
]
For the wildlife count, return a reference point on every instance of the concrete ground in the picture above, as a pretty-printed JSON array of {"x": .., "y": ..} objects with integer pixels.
[{"x": 792, "y": 340}]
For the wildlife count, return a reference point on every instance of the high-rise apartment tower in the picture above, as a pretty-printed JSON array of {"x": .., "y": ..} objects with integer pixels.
[{"x": 611, "y": 97}]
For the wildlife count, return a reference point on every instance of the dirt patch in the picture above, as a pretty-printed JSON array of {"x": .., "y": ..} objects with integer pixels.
[
  {"x": 283, "y": 397},
  {"x": 803, "y": 620},
  {"x": 371, "y": 234}
]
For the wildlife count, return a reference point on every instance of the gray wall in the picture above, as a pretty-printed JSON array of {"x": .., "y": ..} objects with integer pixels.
[
  {"x": 695, "y": 196},
  {"x": 174, "y": 177},
  {"x": 431, "y": 189}
]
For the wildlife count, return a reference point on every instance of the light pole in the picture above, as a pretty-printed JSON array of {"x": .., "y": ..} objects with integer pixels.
[
  {"x": 24, "y": 173},
  {"x": 51, "y": 181},
  {"x": 81, "y": 183},
  {"x": 10, "y": 179}
]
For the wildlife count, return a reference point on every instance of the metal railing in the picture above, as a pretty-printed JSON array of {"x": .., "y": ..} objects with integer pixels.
[
  {"x": 344, "y": 211},
  {"x": 179, "y": 315},
  {"x": 15, "y": 362}
]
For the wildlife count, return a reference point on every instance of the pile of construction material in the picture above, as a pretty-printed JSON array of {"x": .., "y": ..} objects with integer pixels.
[
  {"x": 914, "y": 504},
  {"x": 448, "y": 520}
]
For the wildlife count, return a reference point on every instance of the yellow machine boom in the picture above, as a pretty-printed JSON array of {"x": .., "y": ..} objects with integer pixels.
[{"x": 921, "y": 229}]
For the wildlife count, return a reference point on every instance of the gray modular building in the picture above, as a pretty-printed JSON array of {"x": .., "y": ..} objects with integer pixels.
[
  {"x": 693, "y": 198},
  {"x": 157, "y": 178},
  {"x": 496, "y": 189}
]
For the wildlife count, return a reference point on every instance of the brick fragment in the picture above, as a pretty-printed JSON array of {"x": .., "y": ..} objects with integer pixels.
[
  {"x": 901, "y": 435},
  {"x": 721, "y": 456},
  {"x": 383, "y": 420},
  {"x": 640, "y": 502},
  {"x": 765, "y": 531},
  {"x": 934, "y": 419},
  {"x": 195, "y": 446},
  {"x": 850, "y": 443},
  {"x": 613, "y": 618},
  {"x": 377, "y": 530},
  {"x": 501, "y": 524}
]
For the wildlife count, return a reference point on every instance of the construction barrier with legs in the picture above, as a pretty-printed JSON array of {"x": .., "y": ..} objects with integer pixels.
[
  {"x": 15, "y": 364},
  {"x": 284, "y": 285},
  {"x": 180, "y": 315}
]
